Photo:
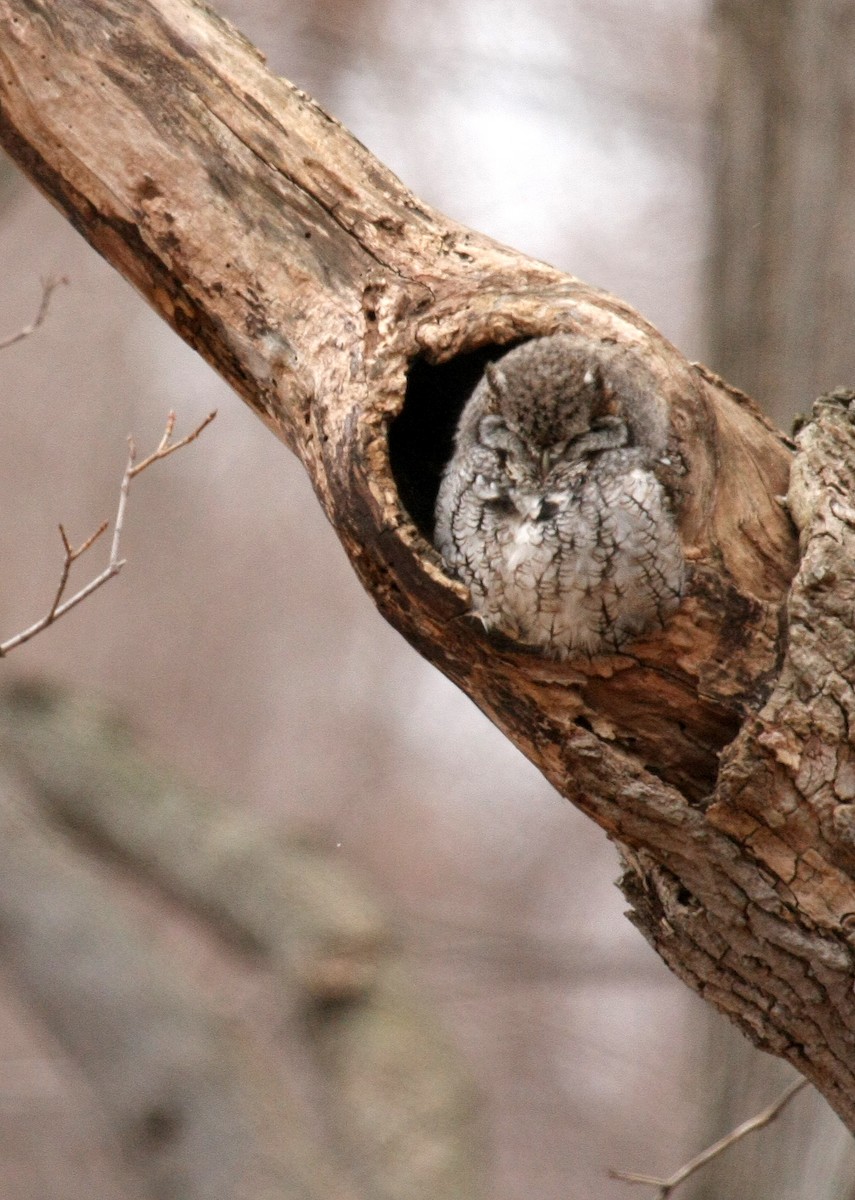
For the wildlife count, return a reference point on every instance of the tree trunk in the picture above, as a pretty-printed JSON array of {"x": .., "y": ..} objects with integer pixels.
[
  {"x": 354, "y": 320},
  {"x": 783, "y": 256}
]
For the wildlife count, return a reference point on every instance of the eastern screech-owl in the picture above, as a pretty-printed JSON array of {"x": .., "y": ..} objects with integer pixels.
[{"x": 549, "y": 510}]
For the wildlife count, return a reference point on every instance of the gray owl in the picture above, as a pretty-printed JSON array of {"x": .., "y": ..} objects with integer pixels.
[{"x": 549, "y": 510}]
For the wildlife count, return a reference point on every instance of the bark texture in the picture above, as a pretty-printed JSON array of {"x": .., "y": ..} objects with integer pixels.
[{"x": 354, "y": 319}]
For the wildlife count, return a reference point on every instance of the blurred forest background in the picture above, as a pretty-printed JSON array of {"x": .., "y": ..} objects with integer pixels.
[{"x": 241, "y": 649}]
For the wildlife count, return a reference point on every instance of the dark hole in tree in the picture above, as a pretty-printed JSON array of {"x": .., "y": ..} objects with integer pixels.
[{"x": 422, "y": 435}]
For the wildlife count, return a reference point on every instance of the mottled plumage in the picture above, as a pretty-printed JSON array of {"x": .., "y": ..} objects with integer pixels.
[{"x": 549, "y": 510}]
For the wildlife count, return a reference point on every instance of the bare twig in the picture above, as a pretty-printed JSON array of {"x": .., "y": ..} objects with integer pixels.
[
  {"x": 761, "y": 1119},
  {"x": 49, "y": 286},
  {"x": 165, "y": 448},
  {"x": 115, "y": 563},
  {"x": 70, "y": 555}
]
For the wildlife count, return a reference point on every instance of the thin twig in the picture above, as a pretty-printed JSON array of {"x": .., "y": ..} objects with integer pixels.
[
  {"x": 115, "y": 563},
  {"x": 165, "y": 449},
  {"x": 761, "y": 1119},
  {"x": 49, "y": 286},
  {"x": 70, "y": 555}
]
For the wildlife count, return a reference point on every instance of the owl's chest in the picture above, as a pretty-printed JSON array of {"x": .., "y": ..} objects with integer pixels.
[
  {"x": 536, "y": 518},
  {"x": 526, "y": 544},
  {"x": 567, "y": 536}
]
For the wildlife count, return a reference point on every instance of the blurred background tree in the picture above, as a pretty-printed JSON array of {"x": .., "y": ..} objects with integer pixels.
[{"x": 696, "y": 163}]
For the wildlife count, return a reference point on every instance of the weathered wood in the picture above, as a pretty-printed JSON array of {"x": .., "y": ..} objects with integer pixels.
[
  {"x": 353, "y": 319},
  {"x": 779, "y": 316}
]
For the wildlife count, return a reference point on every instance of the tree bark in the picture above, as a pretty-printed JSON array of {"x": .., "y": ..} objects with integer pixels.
[{"x": 353, "y": 319}]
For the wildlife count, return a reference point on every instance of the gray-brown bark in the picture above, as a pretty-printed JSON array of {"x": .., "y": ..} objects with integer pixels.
[{"x": 352, "y": 319}]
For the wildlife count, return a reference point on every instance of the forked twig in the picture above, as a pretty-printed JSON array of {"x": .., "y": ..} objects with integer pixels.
[
  {"x": 132, "y": 468},
  {"x": 49, "y": 286},
  {"x": 761, "y": 1119}
]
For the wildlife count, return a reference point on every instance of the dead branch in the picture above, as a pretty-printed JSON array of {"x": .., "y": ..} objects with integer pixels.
[
  {"x": 759, "y": 1121},
  {"x": 115, "y": 563},
  {"x": 49, "y": 286}
]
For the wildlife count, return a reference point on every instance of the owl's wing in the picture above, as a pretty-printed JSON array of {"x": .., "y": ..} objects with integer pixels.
[
  {"x": 646, "y": 569},
  {"x": 459, "y": 504}
]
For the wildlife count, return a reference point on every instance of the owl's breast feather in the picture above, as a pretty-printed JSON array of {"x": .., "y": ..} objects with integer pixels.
[{"x": 526, "y": 537}]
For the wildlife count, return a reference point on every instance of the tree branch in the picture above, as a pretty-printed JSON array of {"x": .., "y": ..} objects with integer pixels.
[
  {"x": 354, "y": 320},
  {"x": 398, "y": 1100},
  {"x": 759, "y": 1121},
  {"x": 49, "y": 286},
  {"x": 132, "y": 469}
]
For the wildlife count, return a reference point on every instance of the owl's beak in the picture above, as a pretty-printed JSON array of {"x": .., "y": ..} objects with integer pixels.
[
  {"x": 536, "y": 508},
  {"x": 527, "y": 506},
  {"x": 551, "y": 455}
]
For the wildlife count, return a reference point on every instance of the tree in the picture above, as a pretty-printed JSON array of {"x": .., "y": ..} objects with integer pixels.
[
  {"x": 352, "y": 319},
  {"x": 781, "y": 257},
  {"x": 778, "y": 305}
]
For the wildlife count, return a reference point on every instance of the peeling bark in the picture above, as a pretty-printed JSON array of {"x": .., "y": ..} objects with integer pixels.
[{"x": 353, "y": 319}]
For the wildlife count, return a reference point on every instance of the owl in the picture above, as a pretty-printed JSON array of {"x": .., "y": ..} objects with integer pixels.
[{"x": 549, "y": 509}]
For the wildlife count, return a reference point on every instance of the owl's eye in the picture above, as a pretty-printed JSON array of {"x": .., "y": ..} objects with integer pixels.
[{"x": 501, "y": 505}]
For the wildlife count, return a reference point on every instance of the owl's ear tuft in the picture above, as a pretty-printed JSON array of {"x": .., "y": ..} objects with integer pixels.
[{"x": 497, "y": 381}]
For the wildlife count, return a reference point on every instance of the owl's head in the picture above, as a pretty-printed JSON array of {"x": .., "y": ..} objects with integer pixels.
[{"x": 548, "y": 391}]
